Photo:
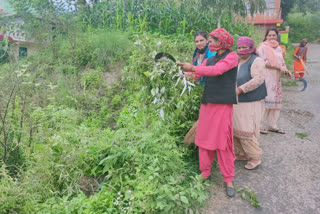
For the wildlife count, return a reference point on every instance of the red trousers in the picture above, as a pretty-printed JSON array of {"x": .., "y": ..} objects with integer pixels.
[
  {"x": 225, "y": 160},
  {"x": 297, "y": 75}
]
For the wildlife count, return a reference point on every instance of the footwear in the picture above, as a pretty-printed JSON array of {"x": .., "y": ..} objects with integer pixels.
[
  {"x": 250, "y": 165},
  {"x": 241, "y": 157},
  {"x": 263, "y": 131},
  {"x": 230, "y": 192},
  {"x": 279, "y": 131}
]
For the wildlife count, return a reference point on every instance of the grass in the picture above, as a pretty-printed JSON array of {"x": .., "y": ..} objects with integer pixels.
[{"x": 290, "y": 83}]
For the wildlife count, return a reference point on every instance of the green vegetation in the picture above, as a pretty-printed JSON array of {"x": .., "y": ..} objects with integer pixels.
[
  {"x": 290, "y": 83},
  {"x": 303, "y": 19},
  {"x": 304, "y": 26},
  {"x": 80, "y": 136},
  {"x": 91, "y": 123},
  {"x": 248, "y": 194},
  {"x": 302, "y": 135}
]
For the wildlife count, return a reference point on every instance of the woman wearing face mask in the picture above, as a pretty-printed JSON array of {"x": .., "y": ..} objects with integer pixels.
[
  {"x": 270, "y": 51},
  {"x": 247, "y": 113},
  {"x": 214, "y": 131},
  {"x": 202, "y": 51}
]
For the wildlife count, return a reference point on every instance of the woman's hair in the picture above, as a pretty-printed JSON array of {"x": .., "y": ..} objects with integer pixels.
[
  {"x": 201, "y": 33},
  {"x": 268, "y": 31}
]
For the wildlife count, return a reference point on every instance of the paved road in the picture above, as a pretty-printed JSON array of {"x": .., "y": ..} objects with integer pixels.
[{"x": 288, "y": 181}]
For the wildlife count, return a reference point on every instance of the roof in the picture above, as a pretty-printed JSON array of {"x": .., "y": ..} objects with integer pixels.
[{"x": 14, "y": 40}]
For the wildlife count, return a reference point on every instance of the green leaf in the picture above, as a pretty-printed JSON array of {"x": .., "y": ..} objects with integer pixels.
[
  {"x": 243, "y": 195},
  {"x": 184, "y": 199}
]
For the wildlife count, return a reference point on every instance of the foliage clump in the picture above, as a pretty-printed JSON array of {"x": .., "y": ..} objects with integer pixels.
[{"x": 67, "y": 123}]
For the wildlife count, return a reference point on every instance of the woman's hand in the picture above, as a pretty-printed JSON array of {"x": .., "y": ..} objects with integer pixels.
[
  {"x": 268, "y": 65},
  {"x": 238, "y": 91},
  {"x": 288, "y": 74},
  {"x": 286, "y": 71},
  {"x": 187, "y": 66}
]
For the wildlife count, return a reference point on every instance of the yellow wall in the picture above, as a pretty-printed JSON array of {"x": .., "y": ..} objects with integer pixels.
[{"x": 31, "y": 48}]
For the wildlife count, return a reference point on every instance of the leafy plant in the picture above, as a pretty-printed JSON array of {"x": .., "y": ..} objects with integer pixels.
[
  {"x": 247, "y": 193},
  {"x": 303, "y": 25},
  {"x": 302, "y": 135}
]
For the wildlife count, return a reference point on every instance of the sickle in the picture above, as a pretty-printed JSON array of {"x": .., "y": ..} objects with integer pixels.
[
  {"x": 304, "y": 83},
  {"x": 164, "y": 54}
]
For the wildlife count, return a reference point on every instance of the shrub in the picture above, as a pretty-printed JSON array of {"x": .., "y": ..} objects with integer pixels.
[{"x": 303, "y": 26}]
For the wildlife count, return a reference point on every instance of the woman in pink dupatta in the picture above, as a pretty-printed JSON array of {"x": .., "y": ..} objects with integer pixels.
[
  {"x": 271, "y": 52},
  {"x": 215, "y": 131}
]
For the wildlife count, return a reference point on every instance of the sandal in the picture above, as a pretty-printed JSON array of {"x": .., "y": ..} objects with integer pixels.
[
  {"x": 263, "y": 131},
  {"x": 279, "y": 131},
  {"x": 241, "y": 157},
  {"x": 250, "y": 165}
]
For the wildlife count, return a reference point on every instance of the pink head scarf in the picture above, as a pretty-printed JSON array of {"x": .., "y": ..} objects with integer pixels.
[
  {"x": 225, "y": 38},
  {"x": 246, "y": 41}
]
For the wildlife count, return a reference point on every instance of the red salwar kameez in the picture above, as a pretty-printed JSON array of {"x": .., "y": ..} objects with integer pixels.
[{"x": 214, "y": 131}]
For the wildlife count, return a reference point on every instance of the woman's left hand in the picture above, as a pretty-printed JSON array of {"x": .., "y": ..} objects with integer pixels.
[
  {"x": 283, "y": 69},
  {"x": 187, "y": 66},
  {"x": 288, "y": 74}
]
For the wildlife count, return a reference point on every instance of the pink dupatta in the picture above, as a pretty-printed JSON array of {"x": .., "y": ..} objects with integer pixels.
[{"x": 269, "y": 51}]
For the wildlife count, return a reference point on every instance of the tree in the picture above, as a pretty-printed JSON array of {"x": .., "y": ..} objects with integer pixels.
[
  {"x": 286, "y": 6},
  {"x": 299, "y": 6},
  {"x": 239, "y": 7},
  {"x": 308, "y": 5}
]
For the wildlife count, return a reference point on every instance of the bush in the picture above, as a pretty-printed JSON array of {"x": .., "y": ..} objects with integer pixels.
[
  {"x": 91, "y": 79},
  {"x": 101, "y": 48},
  {"x": 303, "y": 26}
]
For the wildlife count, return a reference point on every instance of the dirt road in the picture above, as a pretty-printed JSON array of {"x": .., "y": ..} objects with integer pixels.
[{"x": 288, "y": 181}]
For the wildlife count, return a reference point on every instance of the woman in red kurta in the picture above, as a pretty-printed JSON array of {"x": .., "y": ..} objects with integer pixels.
[{"x": 214, "y": 131}]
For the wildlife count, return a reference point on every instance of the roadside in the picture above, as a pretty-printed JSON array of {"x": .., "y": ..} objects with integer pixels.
[{"x": 288, "y": 181}]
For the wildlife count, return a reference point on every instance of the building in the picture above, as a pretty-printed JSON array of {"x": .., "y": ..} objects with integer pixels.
[
  {"x": 11, "y": 24},
  {"x": 270, "y": 18}
]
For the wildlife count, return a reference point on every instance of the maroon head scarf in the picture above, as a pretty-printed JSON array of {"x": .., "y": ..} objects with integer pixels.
[{"x": 248, "y": 42}]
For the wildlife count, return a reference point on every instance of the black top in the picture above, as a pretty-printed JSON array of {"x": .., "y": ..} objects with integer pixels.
[
  {"x": 222, "y": 88},
  {"x": 244, "y": 75}
]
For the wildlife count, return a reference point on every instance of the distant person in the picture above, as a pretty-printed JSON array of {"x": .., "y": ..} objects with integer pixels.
[
  {"x": 214, "y": 132},
  {"x": 251, "y": 91},
  {"x": 300, "y": 56},
  {"x": 270, "y": 51},
  {"x": 202, "y": 51}
]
